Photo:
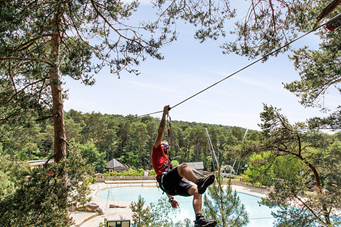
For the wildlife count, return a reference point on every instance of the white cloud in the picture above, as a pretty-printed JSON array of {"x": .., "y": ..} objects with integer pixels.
[{"x": 268, "y": 84}]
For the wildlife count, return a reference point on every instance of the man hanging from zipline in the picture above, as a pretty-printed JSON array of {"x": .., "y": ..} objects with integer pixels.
[{"x": 170, "y": 179}]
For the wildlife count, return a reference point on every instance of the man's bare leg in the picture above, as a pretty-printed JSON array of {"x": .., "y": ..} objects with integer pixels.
[
  {"x": 185, "y": 171},
  {"x": 200, "y": 220},
  {"x": 197, "y": 199}
]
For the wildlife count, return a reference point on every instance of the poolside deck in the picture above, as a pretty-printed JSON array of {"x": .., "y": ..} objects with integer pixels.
[{"x": 92, "y": 219}]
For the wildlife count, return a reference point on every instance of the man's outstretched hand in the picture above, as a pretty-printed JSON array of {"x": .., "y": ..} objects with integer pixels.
[
  {"x": 175, "y": 203},
  {"x": 165, "y": 110}
]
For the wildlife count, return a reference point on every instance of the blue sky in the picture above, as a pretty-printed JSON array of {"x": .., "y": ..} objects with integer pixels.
[{"x": 189, "y": 67}]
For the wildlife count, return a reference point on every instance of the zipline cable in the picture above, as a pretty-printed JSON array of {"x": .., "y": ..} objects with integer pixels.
[
  {"x": 214, "y": 84},
  {"x": 256, "y": 61}
]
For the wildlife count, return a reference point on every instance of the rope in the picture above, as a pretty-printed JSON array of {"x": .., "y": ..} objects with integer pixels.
[
  {"x": 169, "y": 135},
  {"x": 254, "y": 62},
  {"x": 213, "y": 152}
]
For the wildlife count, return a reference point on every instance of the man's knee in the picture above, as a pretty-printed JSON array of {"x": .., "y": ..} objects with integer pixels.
[
  {"x": 193, "y": 191},
  {"x": 182, "y": 167}
]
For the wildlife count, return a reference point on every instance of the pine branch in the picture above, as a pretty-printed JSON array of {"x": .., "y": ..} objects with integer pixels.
[
  {"x": 18, "y": 92},
  {"x": 306, "y": 206},
  {"x": 112, "y": 27},
  {"x": 31, "y": 42},
  {"x": 27, "y": 59}
]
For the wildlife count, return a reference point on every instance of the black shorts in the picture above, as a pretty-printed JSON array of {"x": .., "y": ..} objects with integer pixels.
[{"x": 173, "y": 183}]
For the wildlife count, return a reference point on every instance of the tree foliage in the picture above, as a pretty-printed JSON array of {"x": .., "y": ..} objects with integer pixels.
[
  {"x": 269, "y": 25},
  {"x": 11, "y": 174},
  {"x": 92, "y": 156},
  {"x": 158, "y": 214},
  {"x": 302, "y": 176},
  {"x": 224, "y": 206},
  {"x": 42, "y": 41},
  {"x": 40, "y": 197},
  {"x": 140, "y": 212}
]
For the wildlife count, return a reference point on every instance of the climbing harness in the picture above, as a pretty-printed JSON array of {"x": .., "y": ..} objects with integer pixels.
[
  {"x": 168, "y": 165},
  {"x": 160, "y": 178},
  {"x": 164, "y": 169},
  {"x": 161, "y": 183}
]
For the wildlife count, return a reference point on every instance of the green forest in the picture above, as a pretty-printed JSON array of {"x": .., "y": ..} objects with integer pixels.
[{"x": 129, "y": 139}]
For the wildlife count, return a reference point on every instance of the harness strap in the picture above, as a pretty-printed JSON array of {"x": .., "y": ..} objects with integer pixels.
[
  {"x": 161, "y": 184},
  {"x": 166, "y": 166},
  {"x": 160, "y": 181}
]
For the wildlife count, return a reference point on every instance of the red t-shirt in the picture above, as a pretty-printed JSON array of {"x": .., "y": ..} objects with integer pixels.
[{"x": 159, "y": 158}]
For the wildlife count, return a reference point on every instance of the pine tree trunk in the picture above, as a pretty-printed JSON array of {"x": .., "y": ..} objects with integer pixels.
[{"x": 58, "y": 108}]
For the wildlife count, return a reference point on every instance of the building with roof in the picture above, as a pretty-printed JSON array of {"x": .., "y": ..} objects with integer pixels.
[
  {"x": 99, "y": 177},
  {"x": 199, "y": 166},
  {"x": 115, "y": 166}
]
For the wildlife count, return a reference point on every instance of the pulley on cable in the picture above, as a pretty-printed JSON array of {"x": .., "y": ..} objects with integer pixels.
[
  {"x": 326, "y": 11},
  {"x": 334, "y": 23}
]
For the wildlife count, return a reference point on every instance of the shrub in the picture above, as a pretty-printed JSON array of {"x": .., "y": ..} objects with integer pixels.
[
  {"x": 115, "y": 173},
  {"x": 132, "y": 172},
  {"x": 152, "y": 173},
  {"x": 93, "y": 179}
]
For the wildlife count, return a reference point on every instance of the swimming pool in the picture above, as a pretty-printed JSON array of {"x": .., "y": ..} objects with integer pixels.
[{"x": 259, "y": 216}]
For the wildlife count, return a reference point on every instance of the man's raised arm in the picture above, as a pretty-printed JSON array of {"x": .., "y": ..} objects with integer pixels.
[{"x": 161, "y": 127}]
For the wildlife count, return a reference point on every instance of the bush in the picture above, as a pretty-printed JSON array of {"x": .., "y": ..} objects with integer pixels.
[
  {"x": 115, "y": 173},
  {"x": 131, "y": 172},
  {"x": 175, "y": 163},
  {"x": 152, "y": 173},
  {"x": 93, "y": 179}
]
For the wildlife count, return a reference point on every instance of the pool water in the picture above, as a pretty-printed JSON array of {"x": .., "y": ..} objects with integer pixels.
[{"x": 259, "y": 216}]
